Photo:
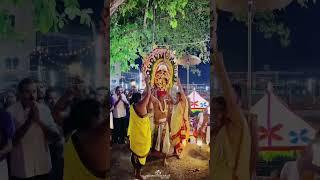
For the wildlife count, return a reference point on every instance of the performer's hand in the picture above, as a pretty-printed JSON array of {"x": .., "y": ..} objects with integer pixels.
[
  {"x": 147, "y": 79},
  {"x": 34, "y": 113},
  {"x": 178, "y": 81},
  {"x": 153, "y": 91}
]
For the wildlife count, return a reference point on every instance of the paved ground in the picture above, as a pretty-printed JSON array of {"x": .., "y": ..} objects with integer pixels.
[{"x": 194, "y": 165}]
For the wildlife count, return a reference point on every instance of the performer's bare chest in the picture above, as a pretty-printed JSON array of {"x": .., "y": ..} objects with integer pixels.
[{"x": 160, "y": 110}]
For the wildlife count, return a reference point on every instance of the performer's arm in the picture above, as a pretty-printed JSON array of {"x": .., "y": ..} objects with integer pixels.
[
  {"x": 150, "y": 105},
  {"x": 21, "y": 131},
  {"x": 153, "y": 98},
  {"x": 228, "y": 91},
  {"x": 117, "y": 102},
  {"x": 171, "y": 100},
  {"x": 141, "y": 107},
  {"x": 183, "y": 96},
  {"x": 124, "y": 100}
]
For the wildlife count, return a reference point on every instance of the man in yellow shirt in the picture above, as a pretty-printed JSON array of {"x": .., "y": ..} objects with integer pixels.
[{"x": 231, "y": 135}]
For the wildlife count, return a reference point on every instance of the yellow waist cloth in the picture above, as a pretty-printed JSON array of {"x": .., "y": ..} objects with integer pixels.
[
  {"x": 139, "y": 133},
  {"x": 73, "y": 167}
]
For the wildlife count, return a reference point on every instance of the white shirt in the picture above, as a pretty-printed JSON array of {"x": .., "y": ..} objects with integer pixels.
[
  {"x": 290, "y": 171},
  {"x": 4, "y": 170},
  {"x": 120, "y": 110},
  {"x": 31, "y": 156}
]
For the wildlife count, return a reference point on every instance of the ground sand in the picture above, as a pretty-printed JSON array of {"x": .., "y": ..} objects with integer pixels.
[{"x": 193, "y": 166}]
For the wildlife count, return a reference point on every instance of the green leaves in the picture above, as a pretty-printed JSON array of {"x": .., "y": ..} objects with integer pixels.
[
  {"x": 173, "y": 29},
  {"x": 71, "y": 3},
  {"x": 5, "y": 24},
  {"x": 45, "y": 15},
  {"x": 124, "y": 46},
  {"x": 7, "y": 31},
  {"x": 174, "y": 23},
  {"x": 267, "y": 23},
  {"x": 150, "y": 14},
  {"x": 73, "y": 11}
]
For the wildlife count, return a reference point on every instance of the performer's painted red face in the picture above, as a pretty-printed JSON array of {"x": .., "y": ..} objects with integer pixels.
[{"x": 161, "y": 94}]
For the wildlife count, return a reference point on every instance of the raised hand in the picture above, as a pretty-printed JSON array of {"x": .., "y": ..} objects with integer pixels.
[
  {"x": 178, "y": 82},
  {"x": 147, "y": 79},
  {"x": 34, "y": 113}
]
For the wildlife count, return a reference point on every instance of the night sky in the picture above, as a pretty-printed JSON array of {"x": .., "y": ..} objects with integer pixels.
[{"x": 302, "y": 54}]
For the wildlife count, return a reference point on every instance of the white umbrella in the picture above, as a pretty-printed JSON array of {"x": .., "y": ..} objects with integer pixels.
[{"x": 187, "y": 61}]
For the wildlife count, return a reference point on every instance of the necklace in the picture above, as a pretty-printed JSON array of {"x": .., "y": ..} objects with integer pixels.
[{"x": 165, "y": 107}]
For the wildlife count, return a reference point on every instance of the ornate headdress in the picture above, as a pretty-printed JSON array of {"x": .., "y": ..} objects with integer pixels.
[{"x": 160, "y": 65}]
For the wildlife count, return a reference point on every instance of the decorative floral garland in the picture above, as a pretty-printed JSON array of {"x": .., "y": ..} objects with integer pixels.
[{"x": 165, "y": 107}]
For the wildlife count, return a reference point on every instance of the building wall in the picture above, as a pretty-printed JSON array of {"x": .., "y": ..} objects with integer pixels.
[{"x": 12, "y": 48}]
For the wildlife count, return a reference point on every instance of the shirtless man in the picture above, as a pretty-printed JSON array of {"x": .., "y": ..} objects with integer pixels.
[{"x": 161, "y": 140}]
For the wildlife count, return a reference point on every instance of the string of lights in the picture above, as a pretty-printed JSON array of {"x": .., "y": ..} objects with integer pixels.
[{"x": 45, "y": 54}]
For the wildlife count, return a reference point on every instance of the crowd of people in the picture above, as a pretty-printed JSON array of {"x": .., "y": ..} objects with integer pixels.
[
  {"x": 47, "y": 137},
  {"x": 153, "y": 123}
]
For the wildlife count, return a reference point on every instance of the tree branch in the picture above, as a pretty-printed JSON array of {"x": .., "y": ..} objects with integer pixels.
[{"x": 114, "y": 5}]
